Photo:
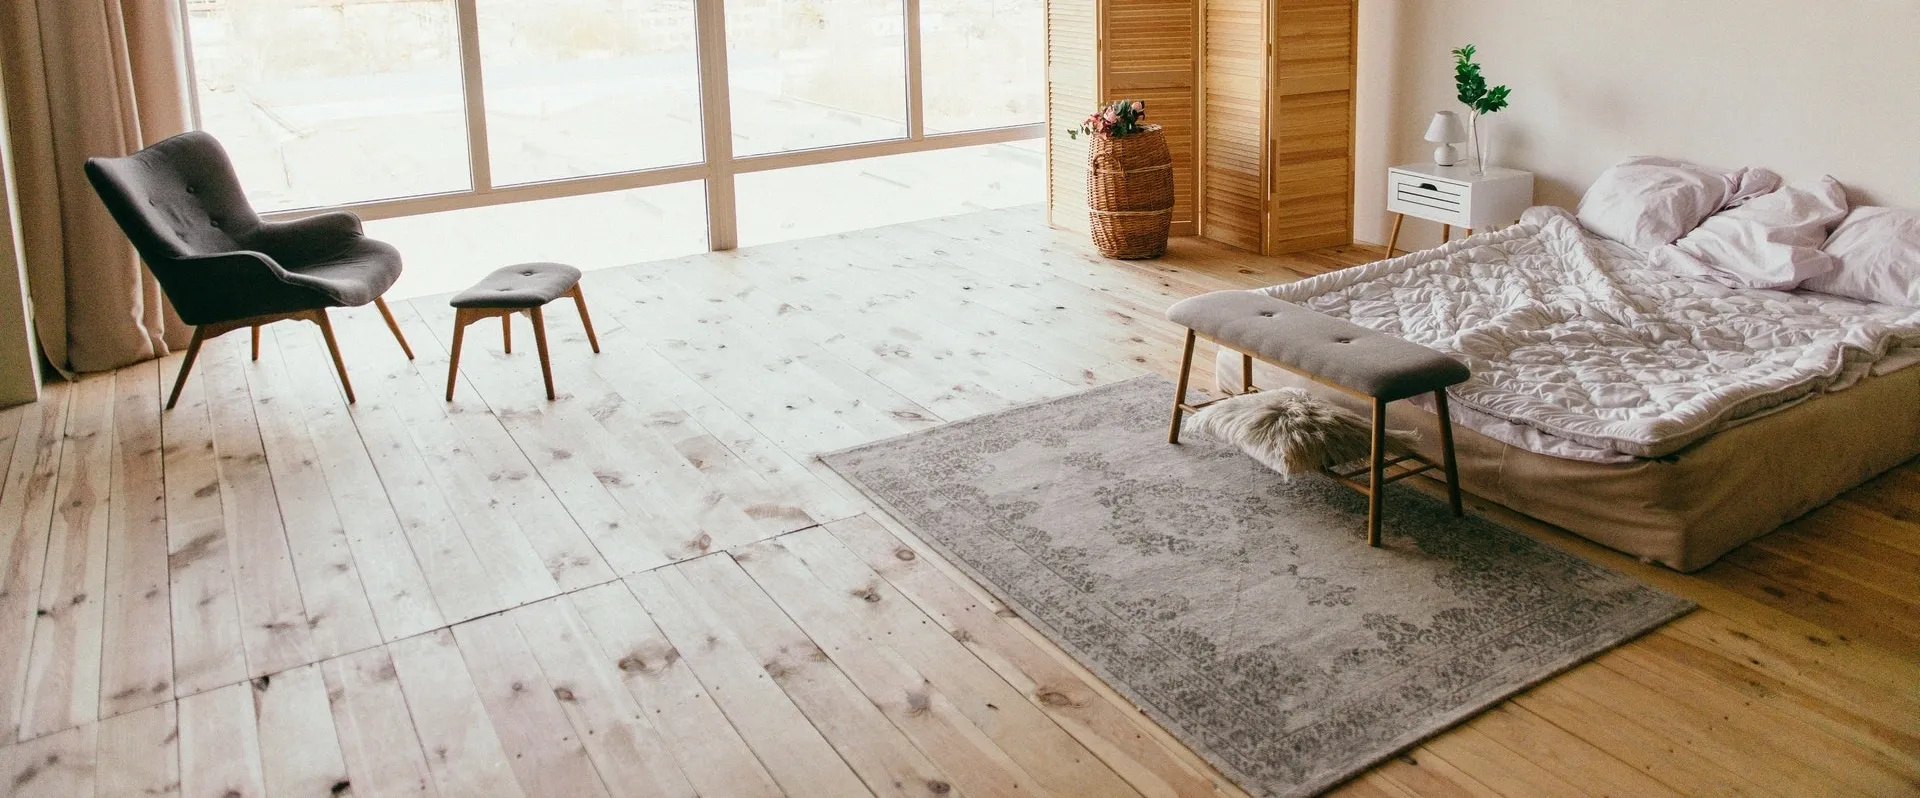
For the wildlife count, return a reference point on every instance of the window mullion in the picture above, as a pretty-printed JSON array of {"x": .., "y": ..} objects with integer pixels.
[
  {"x": 479, "y": 154},
  {"x": 716, "y": 122},
  {"x": 916, "y": 100}
]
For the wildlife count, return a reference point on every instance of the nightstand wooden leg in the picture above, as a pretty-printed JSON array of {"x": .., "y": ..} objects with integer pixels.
[{"x": 1394, "y": 237}]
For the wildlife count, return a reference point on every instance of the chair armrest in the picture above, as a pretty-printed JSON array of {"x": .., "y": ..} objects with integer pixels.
[{"x": 308, "y": 239}]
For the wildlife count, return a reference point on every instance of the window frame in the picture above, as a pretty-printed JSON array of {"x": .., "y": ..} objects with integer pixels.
[{"x": 718, "y": 164}]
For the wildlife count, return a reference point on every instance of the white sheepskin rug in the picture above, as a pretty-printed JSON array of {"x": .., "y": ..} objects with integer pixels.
[{"x": 1288, "y": 430}]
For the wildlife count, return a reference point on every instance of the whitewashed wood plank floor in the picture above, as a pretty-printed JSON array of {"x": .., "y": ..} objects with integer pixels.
[{"x": 651, "y": 588}]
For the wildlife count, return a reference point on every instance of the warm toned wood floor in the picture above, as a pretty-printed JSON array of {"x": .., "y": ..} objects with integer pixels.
[{"x": 649, "y": 588}]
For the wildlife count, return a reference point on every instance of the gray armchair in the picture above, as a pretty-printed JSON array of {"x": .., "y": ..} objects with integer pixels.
[{"x": 221, "y": 265}]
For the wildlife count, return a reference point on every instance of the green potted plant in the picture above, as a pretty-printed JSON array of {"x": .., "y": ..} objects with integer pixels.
[{"x": 1479, "y": 99}]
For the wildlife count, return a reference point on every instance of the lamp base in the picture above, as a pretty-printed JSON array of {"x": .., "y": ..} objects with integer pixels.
[{"x": 1446, "y": 155}]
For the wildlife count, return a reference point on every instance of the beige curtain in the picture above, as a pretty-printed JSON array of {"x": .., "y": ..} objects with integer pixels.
[{"x": 86, "y": 78}]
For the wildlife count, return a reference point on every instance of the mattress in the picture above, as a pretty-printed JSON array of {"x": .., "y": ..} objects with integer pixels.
[
  {"x": 1581, "y": 349},
  {"x": 1690, "y": 507}
]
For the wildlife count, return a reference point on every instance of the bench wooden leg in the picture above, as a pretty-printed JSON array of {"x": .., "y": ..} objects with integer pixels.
[
  {"x": 540, "y": 343},
  {"x": 256, "y": 342},
  {"x": 506, "y": 332},
  {"x": 1246, "y": 373},
  {"x": 461, "y": 318},
  {"x": 580, "y": 302},
  {"x": 1180, "y": 391},
  {"x": 1446, "y": 450},
  {"x": 1376, "y": 470}
]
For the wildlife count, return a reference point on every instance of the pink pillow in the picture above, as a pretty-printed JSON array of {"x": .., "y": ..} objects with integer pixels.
[
  {"x": 1878, "y": 250},
  {"x": 1648, "y": 202},
  {"x": 1770, "y": 242}
]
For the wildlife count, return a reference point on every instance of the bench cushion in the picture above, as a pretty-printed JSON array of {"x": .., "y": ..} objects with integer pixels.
[
  {"x": 525, "y": 285},
  {"x": 1334, "y": 350}
]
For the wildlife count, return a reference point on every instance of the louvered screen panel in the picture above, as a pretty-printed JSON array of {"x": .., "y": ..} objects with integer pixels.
[
  {"x": 1150, "y": 56},
  {"x": 1232, "y": 122},
  {"x": 1072, "y": 82},
  {"x": 1312, "y": 168}
]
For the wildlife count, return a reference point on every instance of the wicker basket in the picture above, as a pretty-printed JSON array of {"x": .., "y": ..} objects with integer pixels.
[{"x": 1130, "y": 194}]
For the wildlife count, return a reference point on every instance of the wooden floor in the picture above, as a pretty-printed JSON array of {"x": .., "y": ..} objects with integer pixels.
[{"x": 650, "y": 587}]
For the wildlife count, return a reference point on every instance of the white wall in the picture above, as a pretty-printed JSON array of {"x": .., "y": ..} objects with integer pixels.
[{"x": 1805, "y": 87}]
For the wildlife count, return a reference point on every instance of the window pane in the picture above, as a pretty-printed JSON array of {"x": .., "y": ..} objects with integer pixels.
[
  {"x": 452, "y": 250},
  {"x": 982, "y": 63},
  {"x": 815, "y": 73},
  {"x": 588, "y": 87},
  {"x": 807, "y": 201},
  {"x": 325, "y": 103}
]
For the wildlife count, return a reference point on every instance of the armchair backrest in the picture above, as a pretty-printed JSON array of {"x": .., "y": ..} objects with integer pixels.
[{"x": 178, "y": 198}]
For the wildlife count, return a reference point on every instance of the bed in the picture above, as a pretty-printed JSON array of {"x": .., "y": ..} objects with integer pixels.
[{"x": 1666, "y": 417}]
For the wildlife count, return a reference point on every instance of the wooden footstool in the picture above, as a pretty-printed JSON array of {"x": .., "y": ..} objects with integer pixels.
[
  {"x": 1333, "y": 352},
  {"x": 523, "y": 288}
]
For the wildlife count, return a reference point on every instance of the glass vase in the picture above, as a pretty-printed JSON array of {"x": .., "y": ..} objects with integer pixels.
[{"x": 1479, "y": 150}]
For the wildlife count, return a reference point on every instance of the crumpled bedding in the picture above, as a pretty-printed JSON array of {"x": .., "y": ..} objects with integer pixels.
[{"x": 1580, "y": 348}]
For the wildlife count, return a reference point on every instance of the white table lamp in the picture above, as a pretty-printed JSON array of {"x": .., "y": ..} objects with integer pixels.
[{"x": 1446, "y": 131}]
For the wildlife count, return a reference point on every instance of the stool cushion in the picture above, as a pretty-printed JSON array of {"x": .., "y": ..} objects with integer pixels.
[
  {"x": 1334, "y": 350},
  {"x": 525, "y": 285}
]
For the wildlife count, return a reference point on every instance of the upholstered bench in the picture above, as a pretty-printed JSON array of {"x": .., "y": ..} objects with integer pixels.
[
  {"x": 1334, "y": 352},
  {"x": 521, "y": 288}
]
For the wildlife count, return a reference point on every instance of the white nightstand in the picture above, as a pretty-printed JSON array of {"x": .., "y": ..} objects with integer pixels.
[{"x": 1455, "y": 197}]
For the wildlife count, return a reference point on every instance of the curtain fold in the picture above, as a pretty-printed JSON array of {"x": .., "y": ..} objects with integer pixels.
[{"x": 89, "y": 78}]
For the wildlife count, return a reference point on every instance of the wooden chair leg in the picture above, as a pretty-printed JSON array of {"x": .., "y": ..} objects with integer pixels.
[
  {"x": 333, "y": 346},
  {"x": 1394, "y": 237},
  {"x": 392, "y": 324},
  {"x": 186, "y": 364},
  {"x": 1446, "y": 450},
  {"x": 580, "y": 301},
  {"x": 540, "y": 343},
  {"x": 460, "y": 322},
  {"x": 1376, "y": 484},
  {"x": 506, "y": 332},
  {"x": 1180, "y": 391},
  {"x": 256, "y": 341}
]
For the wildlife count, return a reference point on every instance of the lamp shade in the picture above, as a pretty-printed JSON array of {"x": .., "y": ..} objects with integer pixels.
[{"x": 1446, "y": 129}]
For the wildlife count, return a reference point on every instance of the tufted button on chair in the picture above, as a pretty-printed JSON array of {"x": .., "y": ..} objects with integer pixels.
[{"x": 221, "y": 265}]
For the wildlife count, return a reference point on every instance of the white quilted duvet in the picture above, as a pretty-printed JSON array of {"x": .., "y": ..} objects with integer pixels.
[{"x": 1581, "y": 349}]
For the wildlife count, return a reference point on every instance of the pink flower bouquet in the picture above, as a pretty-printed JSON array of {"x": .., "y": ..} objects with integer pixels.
[{"x": 1119, "y": 119}]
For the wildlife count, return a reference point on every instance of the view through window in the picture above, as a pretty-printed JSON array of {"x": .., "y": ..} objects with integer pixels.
[{"x": 464, "y": 127}]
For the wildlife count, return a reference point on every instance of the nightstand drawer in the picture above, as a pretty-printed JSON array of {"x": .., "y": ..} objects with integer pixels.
[{"x": 1429, "y": 198}]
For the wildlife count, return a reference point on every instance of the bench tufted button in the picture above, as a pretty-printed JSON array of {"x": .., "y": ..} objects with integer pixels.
[
  {"x": 1343, "y": 340},
  {"x": 526, "y": 274},
  {"x": 1266, "y": 314}
]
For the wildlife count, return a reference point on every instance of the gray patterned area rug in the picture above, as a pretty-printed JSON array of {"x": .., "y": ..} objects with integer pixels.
[{"x": 1243, "y": 612}]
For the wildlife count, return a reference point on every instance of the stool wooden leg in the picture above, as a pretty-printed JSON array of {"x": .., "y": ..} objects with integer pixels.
[
  {"x": 506, "y": 332},
  {"x": 540, "y": 343},
  {"x": 580, "y": 301},
  {"x": 256, "y": 342},
  {"x": 1180, "y": 391},
  {"x": 393, "y": 324},
  {"x": 186, "y": 365},
  {"x": 1376, "y": 484},
  {"x": 1446, "y": 450},
  {"x": 460, "y": 322},
  {"x": 1246, "y": 373},
  {"x": 1394, "y": 237},
  {"x": 326, "y": 331}
]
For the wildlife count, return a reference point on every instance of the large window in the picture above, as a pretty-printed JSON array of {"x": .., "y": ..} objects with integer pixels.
[{"x": 403, "y": 108}]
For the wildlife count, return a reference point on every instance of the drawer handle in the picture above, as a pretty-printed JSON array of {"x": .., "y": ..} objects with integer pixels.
[{"x": 1429, "y": 186}]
